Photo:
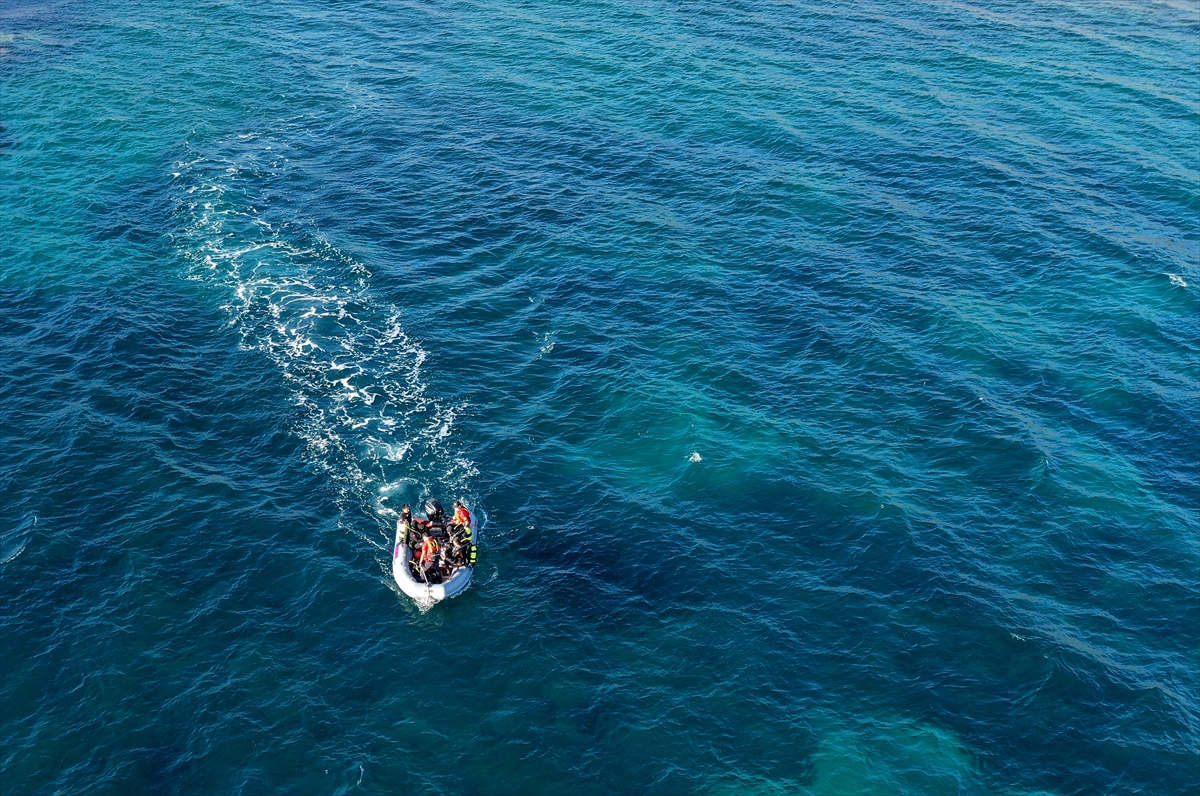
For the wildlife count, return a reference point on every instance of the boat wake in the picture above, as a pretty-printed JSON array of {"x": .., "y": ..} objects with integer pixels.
[{"x": 362, "y": 406}]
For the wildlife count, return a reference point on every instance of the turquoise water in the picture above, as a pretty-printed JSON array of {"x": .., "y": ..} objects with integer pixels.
[{"x": 826, "y": 378}]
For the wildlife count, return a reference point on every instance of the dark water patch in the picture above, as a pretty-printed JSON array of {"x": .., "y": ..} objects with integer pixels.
[{"x": 137, "y": 214}]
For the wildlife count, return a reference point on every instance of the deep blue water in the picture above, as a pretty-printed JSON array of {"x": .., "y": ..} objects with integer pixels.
[{"x": 827, "y": 377}]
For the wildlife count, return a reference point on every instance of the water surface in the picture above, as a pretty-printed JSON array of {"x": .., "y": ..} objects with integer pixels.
[{"x": 826, "y": 377}]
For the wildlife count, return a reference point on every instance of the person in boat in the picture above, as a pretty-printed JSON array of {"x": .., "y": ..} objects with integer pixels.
[
  {"x": 427, "y": 555},
  {"x": 462, "y": 517},
  {"x": 455, "y": 545},
  {"x": 459, "y": 541},
  {"x": 409, "y": 525}
]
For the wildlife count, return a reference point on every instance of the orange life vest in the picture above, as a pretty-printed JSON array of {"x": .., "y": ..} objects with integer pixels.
[
  {"x": 429, "y": 549},
  {"x": 462, "y": 516}
]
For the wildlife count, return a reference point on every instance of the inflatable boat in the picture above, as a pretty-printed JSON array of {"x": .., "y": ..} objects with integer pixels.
[{"x": 433, "y": 558}]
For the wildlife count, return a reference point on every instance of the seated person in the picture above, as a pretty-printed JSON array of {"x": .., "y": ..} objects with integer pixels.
[
  {"x": 427, "y": 555},
  {"x": 462, "y": 517}
]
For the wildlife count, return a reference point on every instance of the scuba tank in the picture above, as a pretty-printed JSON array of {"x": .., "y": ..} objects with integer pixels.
[{"x": 411, "y": 539}]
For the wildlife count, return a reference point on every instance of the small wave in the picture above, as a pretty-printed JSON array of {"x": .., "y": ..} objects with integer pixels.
[
  {"x": 364, "y": 409},
  {"x": 1177, "y": 280}
]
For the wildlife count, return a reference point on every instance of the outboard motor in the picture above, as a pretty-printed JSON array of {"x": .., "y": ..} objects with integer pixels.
[{"x": 433, "y": 510}]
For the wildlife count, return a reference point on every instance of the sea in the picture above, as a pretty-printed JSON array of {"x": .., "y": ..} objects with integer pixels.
[{"x": 824, "y": 378}]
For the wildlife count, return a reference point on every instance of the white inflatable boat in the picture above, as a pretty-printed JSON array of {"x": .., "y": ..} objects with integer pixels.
[{"x": 449, "y": 580}]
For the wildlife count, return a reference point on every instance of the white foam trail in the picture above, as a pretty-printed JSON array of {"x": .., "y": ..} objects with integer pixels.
[{"x": 363, "y": 407}]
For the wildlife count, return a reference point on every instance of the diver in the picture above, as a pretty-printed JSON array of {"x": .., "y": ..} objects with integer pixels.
[
  {"x": 460, "y": 529},
  {"x": 427, "y": 556},
  {"x": 462, "y": 517},
  {"x": 456, "y": 544},
  {"x": 461, "y": 549},
  {"x": 409, "y": 525}
]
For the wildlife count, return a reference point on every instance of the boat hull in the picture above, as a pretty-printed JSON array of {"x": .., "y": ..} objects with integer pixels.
[{"x": 426, "y": 593}]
